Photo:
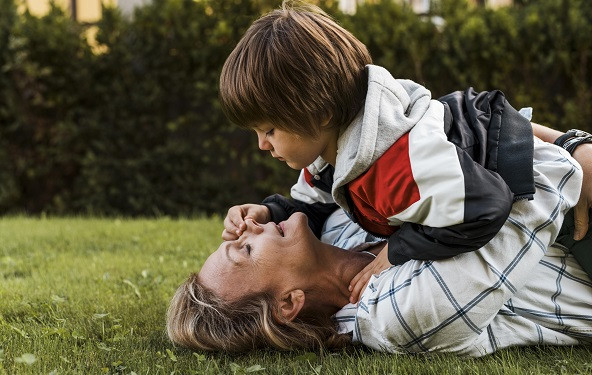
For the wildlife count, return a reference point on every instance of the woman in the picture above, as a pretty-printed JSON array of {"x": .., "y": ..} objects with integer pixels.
[{"x": 279, "y": 286}]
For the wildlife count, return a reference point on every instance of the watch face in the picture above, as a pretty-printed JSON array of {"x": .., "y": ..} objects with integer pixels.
[{"x": 580, "y": 133}]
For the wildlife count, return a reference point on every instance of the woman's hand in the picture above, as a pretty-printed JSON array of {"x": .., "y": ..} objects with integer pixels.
[
  {"x": 359, "y": 282},
  {"x": 583, "y": 155},
  {"x": 234, "y": 223}
]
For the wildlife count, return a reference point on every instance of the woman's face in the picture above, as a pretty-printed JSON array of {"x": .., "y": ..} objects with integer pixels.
[{"x": 266, "y": 258}]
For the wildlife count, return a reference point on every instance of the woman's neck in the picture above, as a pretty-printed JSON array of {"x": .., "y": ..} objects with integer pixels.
[{"x": 331, "y": 283}]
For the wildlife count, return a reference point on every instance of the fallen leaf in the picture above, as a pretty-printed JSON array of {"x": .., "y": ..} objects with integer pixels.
[
  {"x": 136, "y": 290},
  {"x": 26, "y": 358},
  {"x": 171, "y": 355},
  {"x": 255, "y": 368}
]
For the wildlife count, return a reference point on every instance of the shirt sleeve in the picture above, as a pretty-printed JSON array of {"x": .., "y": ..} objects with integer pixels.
[{"x": 445, "y": 305}]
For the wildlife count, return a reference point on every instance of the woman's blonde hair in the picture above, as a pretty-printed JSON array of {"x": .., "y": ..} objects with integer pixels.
[
  {"x": 199, "y": 320},
  {"x": 295, "y": 68}
]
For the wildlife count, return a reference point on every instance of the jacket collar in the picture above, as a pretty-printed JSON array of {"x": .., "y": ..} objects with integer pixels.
[{"x": 392, "y": 108}]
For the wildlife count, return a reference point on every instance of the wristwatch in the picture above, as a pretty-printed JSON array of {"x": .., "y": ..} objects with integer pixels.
[{"x": 572, "y": 139}]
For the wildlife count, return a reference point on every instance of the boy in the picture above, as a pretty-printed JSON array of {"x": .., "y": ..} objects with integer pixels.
[{"x": 435, "y": 177}]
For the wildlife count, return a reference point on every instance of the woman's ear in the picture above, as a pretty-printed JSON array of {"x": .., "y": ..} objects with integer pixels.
[{"x": 291, "y": 304}]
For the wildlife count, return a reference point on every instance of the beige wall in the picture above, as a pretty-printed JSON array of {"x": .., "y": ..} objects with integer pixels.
[
  {"x": 499, "y": 3},
  {"x": 420, "y": 6},
  {"x": 86, "y": 10}
]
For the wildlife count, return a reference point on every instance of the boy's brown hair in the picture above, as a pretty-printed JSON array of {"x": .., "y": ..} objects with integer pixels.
[{"x": 294, "y": 69}]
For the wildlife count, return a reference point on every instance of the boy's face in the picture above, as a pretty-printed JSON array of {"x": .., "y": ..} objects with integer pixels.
[{"x": 298, "y": 151}]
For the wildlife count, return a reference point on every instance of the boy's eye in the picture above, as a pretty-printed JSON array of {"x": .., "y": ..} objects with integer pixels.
[
  {"x": 270, "y": 133},
  {"x": 248, "y": 247}
]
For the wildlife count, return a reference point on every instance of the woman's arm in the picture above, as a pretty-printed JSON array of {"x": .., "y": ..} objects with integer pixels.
[
  {"x": 583, "y": 155},
  {"x": 447, "y": 305},
  {"x": 545, "y": 133}
]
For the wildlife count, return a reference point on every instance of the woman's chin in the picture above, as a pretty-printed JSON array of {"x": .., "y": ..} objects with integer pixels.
[{"x": 297, "y": 220}]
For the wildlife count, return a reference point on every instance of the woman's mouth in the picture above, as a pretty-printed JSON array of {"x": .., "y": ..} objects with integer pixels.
[{"x": 280, "y": 227}]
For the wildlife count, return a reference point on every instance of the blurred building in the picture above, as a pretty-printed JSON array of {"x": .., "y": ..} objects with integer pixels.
[
  {"x": 419, "y": 6},
  {"x": 90, "y": 10},
  {"x": 85, "y": 11}
]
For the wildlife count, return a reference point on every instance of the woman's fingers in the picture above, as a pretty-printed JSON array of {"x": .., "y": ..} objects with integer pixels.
[
  {"x": 360, "y": 281},
  {"x": 358, "y": 276},
  {"x": 360, "y": 285},
  {"x": 583, "y": 155},
  {"x": 581, "y": 220}
]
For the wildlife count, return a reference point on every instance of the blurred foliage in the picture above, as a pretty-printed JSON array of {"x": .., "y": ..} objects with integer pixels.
[{"x": 133, "y": 126}]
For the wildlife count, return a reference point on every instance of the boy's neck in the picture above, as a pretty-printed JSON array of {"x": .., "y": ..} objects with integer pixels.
[{"x": 329, "y": 154}]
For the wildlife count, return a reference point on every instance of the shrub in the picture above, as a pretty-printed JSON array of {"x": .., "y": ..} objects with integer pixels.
[{"x": 135, "y": 127}]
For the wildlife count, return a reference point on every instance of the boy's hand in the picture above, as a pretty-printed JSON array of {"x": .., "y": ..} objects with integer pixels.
[
  {"x": 234, "y": 223},
  {"x": 583, "y": 155},
  {"x": 359, "y": 282}
]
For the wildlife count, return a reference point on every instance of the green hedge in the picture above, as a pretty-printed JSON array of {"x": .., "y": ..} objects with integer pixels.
[{"x": 137, "y": 129}]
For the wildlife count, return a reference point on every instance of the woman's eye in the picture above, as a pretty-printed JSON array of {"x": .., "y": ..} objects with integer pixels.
[{"x": 270, "y": 133}]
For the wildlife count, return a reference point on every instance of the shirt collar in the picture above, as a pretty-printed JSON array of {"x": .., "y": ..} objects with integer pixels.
[{"x": 346, "y": 318}]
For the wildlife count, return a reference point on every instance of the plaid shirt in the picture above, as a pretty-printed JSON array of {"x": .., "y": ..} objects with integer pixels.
[{"x": 519, "y": 289}]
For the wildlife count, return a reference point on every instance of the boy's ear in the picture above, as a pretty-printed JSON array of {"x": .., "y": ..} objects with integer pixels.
[
  {"x": 326, "y": 122},
  {"x": 291, "y": 304}
]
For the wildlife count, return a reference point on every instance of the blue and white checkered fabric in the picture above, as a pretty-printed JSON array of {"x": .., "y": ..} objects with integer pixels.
[
  {"x": 340, "y": 231},
  {"x": 519, "y": 289}
]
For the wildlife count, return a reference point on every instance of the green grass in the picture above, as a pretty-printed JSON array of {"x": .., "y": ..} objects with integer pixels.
[{"x": 88, "y": 296}]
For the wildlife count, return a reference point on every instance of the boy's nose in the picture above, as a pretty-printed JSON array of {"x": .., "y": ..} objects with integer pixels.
[
  {"x": 264, "y": 143},
  {"x": 253, "y": 226}
]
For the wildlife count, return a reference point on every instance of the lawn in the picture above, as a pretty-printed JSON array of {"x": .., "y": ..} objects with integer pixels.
[{"x": 89, "y": 296}]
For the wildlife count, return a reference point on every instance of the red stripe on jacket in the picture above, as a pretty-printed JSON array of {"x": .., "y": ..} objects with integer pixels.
[
  {"x": 385, "y": 189},
  {"x": 308, "y": 177}
]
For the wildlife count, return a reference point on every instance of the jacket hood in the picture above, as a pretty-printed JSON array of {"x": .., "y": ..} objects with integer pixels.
[{"x": 392, "y": 108}]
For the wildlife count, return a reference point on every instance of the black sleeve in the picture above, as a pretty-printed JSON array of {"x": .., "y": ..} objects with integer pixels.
[
  {"x": 487, "y": 127},
  {"x": 414, "y": 241},
  {"x": 281, "y": 208},
  {"x": 488, "y": 202},
  {"x": 495, "y": 147}
]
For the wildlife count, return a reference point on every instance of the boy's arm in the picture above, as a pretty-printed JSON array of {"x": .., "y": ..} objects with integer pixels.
[
  {"x": 428, "y": 243},
  {"x": 487, "y": 202},
  {"x": 311, "y": 196},
  {"x": 485, "y": 153},
  {"x": 447, "y": 306},
  {"x": 281, "y": 208},
  {"x": 444, "y": 202},
  {"x": 415, "y": 241}
]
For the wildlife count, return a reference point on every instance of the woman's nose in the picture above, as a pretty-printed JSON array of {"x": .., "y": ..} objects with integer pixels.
[{"x": 253, "y": 226}]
